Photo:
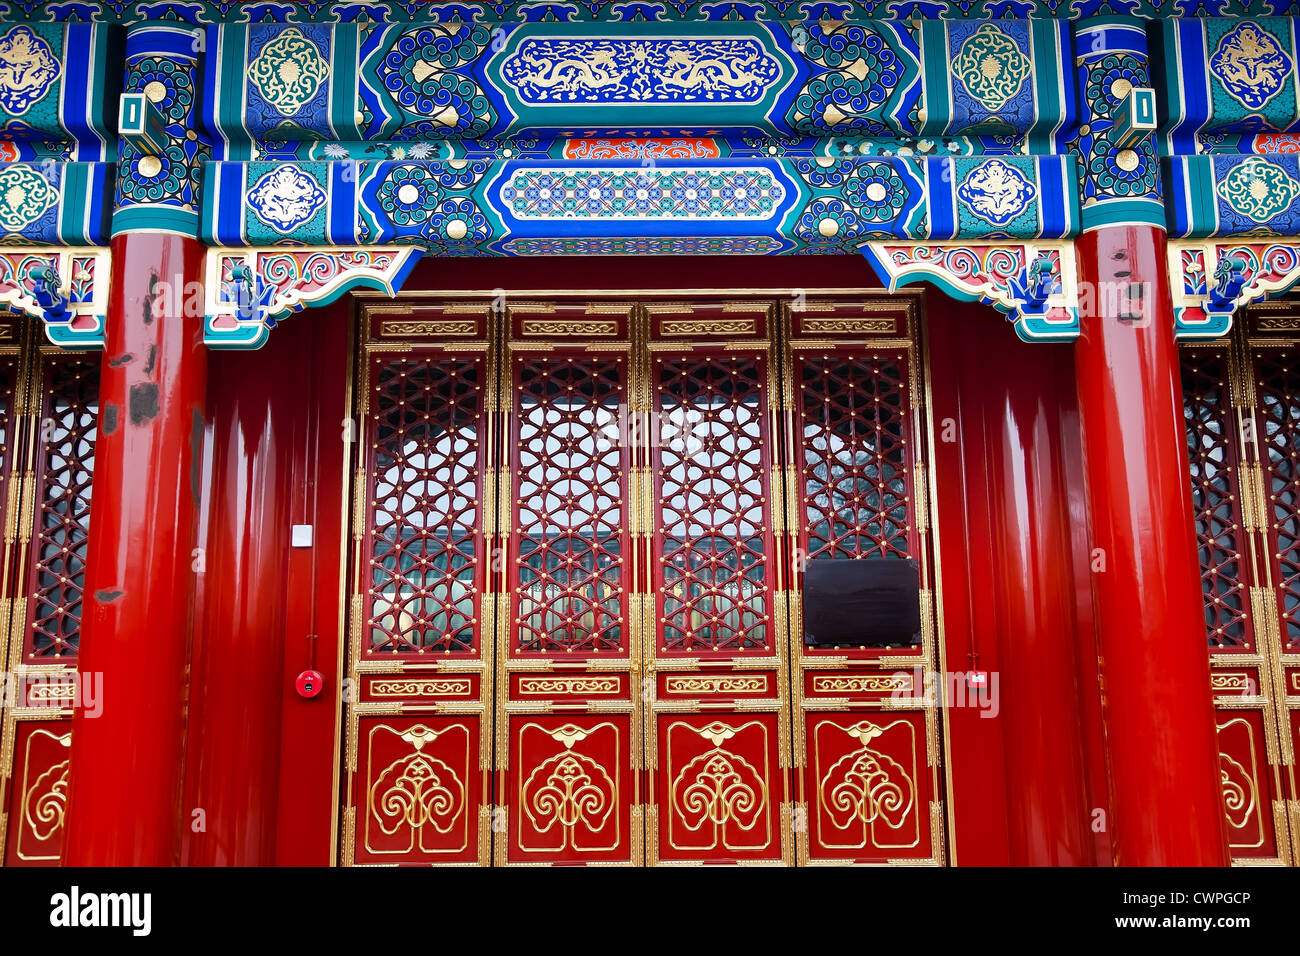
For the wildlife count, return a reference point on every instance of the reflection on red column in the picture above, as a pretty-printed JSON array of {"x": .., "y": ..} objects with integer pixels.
[
  {"x": 125, "y": 787},
  {"x": 1163, "y": 757}
]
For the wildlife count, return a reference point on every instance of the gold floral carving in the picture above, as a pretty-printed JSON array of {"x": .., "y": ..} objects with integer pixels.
[
  {"x": 867, "y": 790},
  {"x": 548, "y": 686},
  {"x": 570, "y": 792},
  {"x": 418, "y": 793},
  {"x": 423, "y": 687},
  {"x": 430, "y": 327},
  {"x": 831, "y": 326},
  {"x": 824, "y": 684},
  {"x": 715, "y": 685},
  {"x": 718, "y": 794},
  {"x": 569, "y": 327},
  {"x": 708, "y": 327}
]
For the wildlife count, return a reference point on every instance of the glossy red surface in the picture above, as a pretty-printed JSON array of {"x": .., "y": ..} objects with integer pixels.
[
  {"x": 125, "y": 786},
  {"x": 234, "y": 747},
  {"x": 1162, "y": 753},
  {"x": 1006, "y": 487}
]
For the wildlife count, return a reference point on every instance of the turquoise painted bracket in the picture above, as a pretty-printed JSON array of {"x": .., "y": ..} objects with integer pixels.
[
  {"x": 67, "y": 289},
  {"x": 1034, "y": 283},
  {"x": 248, "y": 291},
  {"x": 1213, "y": 279}
]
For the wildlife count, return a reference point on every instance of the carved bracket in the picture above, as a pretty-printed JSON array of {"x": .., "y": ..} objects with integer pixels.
[
  {"x": 65, "y": 288},
  {"x": 249, "y": 290},
  {"x": 1213, "y": 279},
  {"x": 1033, "y": 283}
]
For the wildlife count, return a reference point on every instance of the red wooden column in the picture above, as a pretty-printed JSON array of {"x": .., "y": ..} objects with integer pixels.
[
  {"x": 124, "y": 788},
  {"x": 125, "y": 785},
  {"x": 1162, "y": 751}
]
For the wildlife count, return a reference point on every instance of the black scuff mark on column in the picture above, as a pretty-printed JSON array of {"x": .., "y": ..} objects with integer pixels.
[
  {"x": 153, "y": 357},
  {"x": 107, "y": 597},
  {"x": 142, "y": 403},
  {"x": 121, "y": 360},
  {"x": 147, "y": 311},
  {"x": 111, "y": 413},
  {"x": 196, "y": 452}
]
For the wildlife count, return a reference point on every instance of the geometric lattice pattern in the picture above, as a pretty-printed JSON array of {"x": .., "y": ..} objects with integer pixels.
[
  {"x": 1209, "y": 419},
  {"x": 569, "y": 504},
  {"x": 70, "y": 409},
  {"x": 8, "y": 376},
  {"x": 712, "y": 461},
  {"x": 426, "y": 419},
  {"x": 1278, "y": 383},
  {"x": 855, "y": 457}
]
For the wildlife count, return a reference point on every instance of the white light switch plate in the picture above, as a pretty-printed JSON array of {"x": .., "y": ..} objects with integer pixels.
[{"x": 302, "y": 536}]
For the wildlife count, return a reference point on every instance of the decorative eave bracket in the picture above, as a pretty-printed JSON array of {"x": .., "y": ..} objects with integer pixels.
[
  {"x": 1034, "y": 283},
  {"x": 66, "y": 288},
  {"x": 248, "y": 291},
  {"x": 1213, "y": 278}
]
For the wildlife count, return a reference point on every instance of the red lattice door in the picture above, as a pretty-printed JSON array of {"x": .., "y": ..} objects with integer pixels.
[
  {"x": 866, "y": 746},
  {"x": 718, "y": 731},
  {"x": 1235, "y": 392},
  {"x": 49, "y": 413},
  {"x": 419, "y": 741},
  {"x": 568, "y": 713}
]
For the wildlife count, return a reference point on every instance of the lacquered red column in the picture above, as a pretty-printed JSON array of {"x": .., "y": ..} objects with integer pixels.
[
  {"x": 126, "y": 764},
  {"x": 1048, "y": 810},
  {"x": 1160, "y": 735}
]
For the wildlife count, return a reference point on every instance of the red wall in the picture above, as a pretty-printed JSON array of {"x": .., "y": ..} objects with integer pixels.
[
  {"x": 1016, "y": 589},
  {"x": 261, "y": 760}
]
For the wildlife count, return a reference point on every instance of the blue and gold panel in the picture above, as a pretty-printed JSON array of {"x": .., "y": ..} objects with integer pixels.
[
  {"x": 1121, "y": 179},
  {"x": 999, "y": 77},
  {"x": 537, "y": 206},
  {"x": 58, "y": 83},
  {"x": 269, "y": 81},
  {"x": 55, "y": 204},
  {"x": 159, "y": 192},
  {"x": 1224, "y": 195},
  {"x": 1227, "y": 75},
  {"x": 862, "y": 79}
]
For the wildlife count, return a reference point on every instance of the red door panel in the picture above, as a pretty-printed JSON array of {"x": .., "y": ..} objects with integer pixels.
[
  {"x": 721, "y": 788},
  {"x": 416, "y": 782},
  {"x": 568, "y": 701},
  {"x": 571, "y": 784},
  {"x": 38, "y": 795},
  {"x": 419, "y": 741}
]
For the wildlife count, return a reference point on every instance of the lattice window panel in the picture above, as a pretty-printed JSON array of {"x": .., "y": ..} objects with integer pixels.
[
  {"x": 424, "y": 544},
  {"x": 857, "y": 495},
  {"x": 570, "y": 547},
  {"x": 69, "y": 412},
  {"x": 713, "y": 511},
  {"x": 1209, "y": 419},
  {"x": 8, "y": 380},
  {"x": 1278, "y": 403}
]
